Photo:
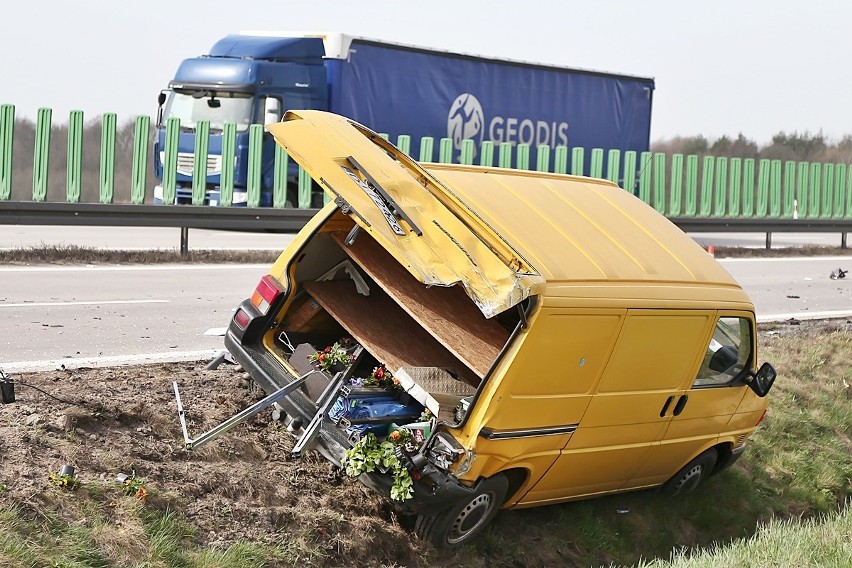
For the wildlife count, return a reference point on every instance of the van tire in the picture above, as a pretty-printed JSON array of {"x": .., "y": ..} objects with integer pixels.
[
  {"x": 466, "y": 519},
  {"x": 692, "y": 474}
]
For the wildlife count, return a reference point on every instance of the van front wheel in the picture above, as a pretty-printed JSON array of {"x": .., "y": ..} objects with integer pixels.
[
  {"x": 692, "y": 474},
  {"x": 463, "y": 521}
]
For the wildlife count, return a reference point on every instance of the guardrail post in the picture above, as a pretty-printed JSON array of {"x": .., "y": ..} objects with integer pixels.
[
  {"x": 486, "y": 157},
  {"x": 74, "y": 160},
  {"x": 523, "y": 158},
  {"x": 560, "y": 160},
  {"x": 721, "y": 193},
  {"x": 7, "y": 134},
  {"x": 748, "y": 188},
  {"x": 139, "y": 175},
  {"x": 199, "y": 162},
  {"x": 763, "y": 180},
  {"x": 597, "y": 163},
  {"x": 802, "y": 189},
  {"x": 542, "y": 158},
  {"x": 578, "y": 158},
  {"x": 789, "y": 187},
  {"x": 403, "y": 142},
  {"x": 707, "y": 186},
  {"x": 849, "y": 194},
  {"x": 630, "y": 172},
  {"x": 170, "y": 156},
  {"x": 691, "y": 185},
  {"x": 107, "y": 187},
  {"x": 467, "y": 149},
  {"x": 646, "y": 159},
  {"x": 827, "y": 191},
  {"x": 305, "y": 183},
  {"x": 229, "y": 158},
  {"x": 775, "y": 189},
  {"x": 427, "y": 148},
  {"x": 613, "y": 165},
  {"x": 445, "y": 151},
  {"x": 840, "y": 191},
  {"x": 814, "y": 198},
  {"x": 735, "y": 194},
  {"x": 255, "y": 167},
  {"x": 676, "y": 188},
  {"x": 279, "y": 184},
  {"x": 504, "y": 157},
  {"x": 41, "y": 154},
  {"x": 660, "y": 182}
]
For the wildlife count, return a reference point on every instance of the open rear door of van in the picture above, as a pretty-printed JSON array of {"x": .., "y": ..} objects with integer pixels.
[{"x": 419, "y": 220}]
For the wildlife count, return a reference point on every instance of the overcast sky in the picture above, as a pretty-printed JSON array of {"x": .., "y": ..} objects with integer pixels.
[{"x": 721, "y": 67}]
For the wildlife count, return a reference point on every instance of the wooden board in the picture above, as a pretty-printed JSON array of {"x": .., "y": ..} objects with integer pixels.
[
  {"x": 448, "y": 314},
  {"x": 384, "y": 329}
]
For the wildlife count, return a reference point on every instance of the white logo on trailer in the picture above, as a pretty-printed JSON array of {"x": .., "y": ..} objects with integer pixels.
[{"x": 466, "y": 120}]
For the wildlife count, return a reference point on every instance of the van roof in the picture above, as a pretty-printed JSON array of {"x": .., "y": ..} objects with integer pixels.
[
  {"x": 581, "y": 229},
  {"x": 504, "y": 235}
]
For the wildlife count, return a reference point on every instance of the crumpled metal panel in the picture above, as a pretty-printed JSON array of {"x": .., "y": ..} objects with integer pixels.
[{"x": 432, "y": 233}]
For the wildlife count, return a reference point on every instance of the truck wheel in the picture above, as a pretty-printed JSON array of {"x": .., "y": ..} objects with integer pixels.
[
  {"x": 692, "y": 474},
  {"x": 463, "y": 521}
]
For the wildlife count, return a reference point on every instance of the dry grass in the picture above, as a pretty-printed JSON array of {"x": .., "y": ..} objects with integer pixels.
[{"x": 71, "y": 254}]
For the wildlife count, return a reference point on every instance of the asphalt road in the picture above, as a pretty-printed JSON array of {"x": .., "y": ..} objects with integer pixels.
[{"x": 101, "y": 315}]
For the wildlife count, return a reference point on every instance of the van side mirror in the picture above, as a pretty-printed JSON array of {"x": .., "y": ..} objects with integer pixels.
[
  {"x": 762, "y": 380},
  {"x": 161, "y": 99},
  {"x": 271, "y": 110}
]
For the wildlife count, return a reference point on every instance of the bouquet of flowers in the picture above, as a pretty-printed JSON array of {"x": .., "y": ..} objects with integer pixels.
[
  {"x": 381, "y": 377},
  {"x": 331, "y": 357}
]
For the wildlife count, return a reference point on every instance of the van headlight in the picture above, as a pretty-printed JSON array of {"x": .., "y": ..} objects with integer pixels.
[{"x": 445, "y": 450}]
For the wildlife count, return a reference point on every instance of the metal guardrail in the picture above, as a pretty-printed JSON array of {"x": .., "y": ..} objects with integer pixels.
[
  {"x": 291, "y": 220},
  {"x": 184, "y": 216},
  {"x": 767, "y": 226}
]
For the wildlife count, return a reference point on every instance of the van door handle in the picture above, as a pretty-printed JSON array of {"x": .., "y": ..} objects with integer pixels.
[
  {"x": 680, "y": 404},
  {"x": 666, "y": 406}
]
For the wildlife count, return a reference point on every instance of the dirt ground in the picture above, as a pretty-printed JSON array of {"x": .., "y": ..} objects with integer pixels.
[
  {"x": 240, "y": 487},
  {"x": 243, "y": 486}
]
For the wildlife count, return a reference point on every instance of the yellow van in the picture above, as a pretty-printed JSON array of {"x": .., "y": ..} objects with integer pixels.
[{"x": 467, "y": 338}]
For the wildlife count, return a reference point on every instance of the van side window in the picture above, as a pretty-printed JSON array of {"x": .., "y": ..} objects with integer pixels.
[{"x": 728, "y": 354}]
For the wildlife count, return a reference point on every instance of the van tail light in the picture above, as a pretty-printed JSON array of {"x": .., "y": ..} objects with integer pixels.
[
  {"x": 241, "y": 318},
  {"x": 762, "y": 416},
  {"x": 265, "y": 293}
]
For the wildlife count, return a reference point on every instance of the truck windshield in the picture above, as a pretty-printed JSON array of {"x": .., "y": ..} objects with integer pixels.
[{"x": 217, "y": 108}]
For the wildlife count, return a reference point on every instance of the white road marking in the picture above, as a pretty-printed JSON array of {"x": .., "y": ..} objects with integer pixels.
[
  {"x": 216, "y": 331},
  {"x": 846, "y": 259},
  {"x": 134, "y": 268},
  {"x": 108, "y": 361},
  {"x": 92, "y": 303},
  {"x": 804, "y": 315}
]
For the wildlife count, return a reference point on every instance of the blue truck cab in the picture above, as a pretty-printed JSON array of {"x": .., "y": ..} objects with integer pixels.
[{"x": 244, "y": 80}]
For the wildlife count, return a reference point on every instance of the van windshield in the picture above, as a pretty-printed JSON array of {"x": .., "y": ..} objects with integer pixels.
[{"x": 215, "y": 107}]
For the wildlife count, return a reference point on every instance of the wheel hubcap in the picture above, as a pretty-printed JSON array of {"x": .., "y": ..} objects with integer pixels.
[
  {"x": 470, "y": 518},
  {"x": 690, "y": 479}
]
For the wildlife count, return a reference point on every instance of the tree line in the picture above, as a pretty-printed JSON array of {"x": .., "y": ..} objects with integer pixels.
[{"x": 796, "y": 146}]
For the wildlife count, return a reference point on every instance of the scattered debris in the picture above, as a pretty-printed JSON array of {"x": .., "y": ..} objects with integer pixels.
[
  {"x": 793, "y": 297},
  {"x": 838, "y": 274},
  {"x": 793, "y": 321}
]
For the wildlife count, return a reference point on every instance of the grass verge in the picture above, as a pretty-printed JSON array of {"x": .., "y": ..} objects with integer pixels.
[{"x": 71, "y": 254}]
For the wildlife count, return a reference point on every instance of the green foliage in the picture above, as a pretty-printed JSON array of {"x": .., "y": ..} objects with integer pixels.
[
  {"x": 64, "y": 481},
  {"x": 368, "y": 455}
]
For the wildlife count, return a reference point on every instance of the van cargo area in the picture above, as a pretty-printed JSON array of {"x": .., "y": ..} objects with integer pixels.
[{"x": 350, "y": 294}]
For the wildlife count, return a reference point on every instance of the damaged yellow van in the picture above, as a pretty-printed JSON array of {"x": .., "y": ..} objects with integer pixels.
[{"x": 465, "y": 339}]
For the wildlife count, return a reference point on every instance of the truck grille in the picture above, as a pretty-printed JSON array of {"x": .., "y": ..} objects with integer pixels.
[{"x": 186, "y": 163}]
